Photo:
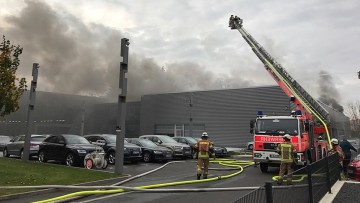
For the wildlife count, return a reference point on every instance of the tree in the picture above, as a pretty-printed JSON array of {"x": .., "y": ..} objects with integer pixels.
[
  {"x": 353, "y": 111},
  {"x": 11, "y": 87}
]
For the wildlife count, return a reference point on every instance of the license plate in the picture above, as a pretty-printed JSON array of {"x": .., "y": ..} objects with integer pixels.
[
  {"x": 350, "y": 171},
  {"x": 135, "y": 152},
  {"x": 274, "y": 156},
  {"x": 168, "y": 155}
]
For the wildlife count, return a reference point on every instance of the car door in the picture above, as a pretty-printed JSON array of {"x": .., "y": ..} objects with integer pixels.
[
  {"x": 60, "y": 148},
  {"x": 15, "y": 147},
  {"x": 49, "y": 147}
]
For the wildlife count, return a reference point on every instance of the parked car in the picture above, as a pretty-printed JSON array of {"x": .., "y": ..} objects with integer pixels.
[
  {"x": 150, "y": 151},
  {"x": 353, "y": 170},
  {"x": 132, "y": 152},
  {"x": 3, "y": 141},
  {"x": 250, "y": 145},
  {"x": 219, "y": 151},
  {"x": 189, "y": 141},
  {"x": 179, "y": 150},
  {"x": 16, "y": 146},
  {"x": 70, "y": 149}
]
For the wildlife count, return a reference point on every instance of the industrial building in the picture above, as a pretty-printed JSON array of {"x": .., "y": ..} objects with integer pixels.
[{"x": 225, "y": 114}]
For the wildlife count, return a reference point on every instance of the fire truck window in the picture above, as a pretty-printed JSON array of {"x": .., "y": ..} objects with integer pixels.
[{"x": 277, "y": 126}]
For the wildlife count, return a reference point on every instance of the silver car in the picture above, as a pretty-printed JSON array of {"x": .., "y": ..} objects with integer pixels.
[
  {"x": 16, "y": 146},
  {"x": 3, "y": 141},
  {"x": 179, "y": 149}
]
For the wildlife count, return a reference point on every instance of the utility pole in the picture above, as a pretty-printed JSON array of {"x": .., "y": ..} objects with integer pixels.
[
  {"x": 120, "y": 126},
  {"x": 26, "y": 152}
]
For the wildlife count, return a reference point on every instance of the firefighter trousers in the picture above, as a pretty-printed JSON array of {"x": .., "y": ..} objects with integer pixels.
[
  {"x": 283, "y": 168},
  {"x": 202, "y": 163}
]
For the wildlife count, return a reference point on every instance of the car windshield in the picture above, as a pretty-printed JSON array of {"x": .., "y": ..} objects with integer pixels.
[
  {"x": 277, "y": 126},
  {"x": 147, "y": 143},
  {"x": 38, "y": 138},
  {"x": 110, "y": 138},
  {"x": 76, "y": 139},
  {"x": 191, "y": 140},
  {"x": 167, "y": 139}
]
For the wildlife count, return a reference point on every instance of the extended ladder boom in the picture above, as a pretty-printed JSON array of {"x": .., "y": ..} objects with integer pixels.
[{"x": 283, "y": 78}]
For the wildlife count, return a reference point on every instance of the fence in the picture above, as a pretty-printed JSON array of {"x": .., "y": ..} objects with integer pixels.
[{"x": 310, "y": 184}]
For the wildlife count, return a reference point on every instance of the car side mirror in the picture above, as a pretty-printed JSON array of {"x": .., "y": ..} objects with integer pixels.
[
  {"x": 12, "y": 140},
  {"x": 159, "y": 141},
  {"x": 307, "y": 126}
]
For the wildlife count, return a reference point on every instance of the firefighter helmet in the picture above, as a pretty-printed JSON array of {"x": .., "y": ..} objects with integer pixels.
[
  {"x": 287, "y": 137},
  {"x": 204, "y": 134},
  {"x": 334, "y": 141}
]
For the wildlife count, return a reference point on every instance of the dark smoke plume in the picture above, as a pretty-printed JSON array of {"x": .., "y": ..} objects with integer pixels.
[
  {"x": 328, "y": 92},
  {"x": 81, "y": 59}
]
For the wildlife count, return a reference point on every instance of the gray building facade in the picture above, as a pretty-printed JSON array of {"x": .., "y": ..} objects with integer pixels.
[{"x": 224, "y": 114}]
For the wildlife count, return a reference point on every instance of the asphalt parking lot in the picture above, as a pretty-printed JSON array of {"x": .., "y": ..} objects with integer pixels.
[{"x": 179, "y": 171}]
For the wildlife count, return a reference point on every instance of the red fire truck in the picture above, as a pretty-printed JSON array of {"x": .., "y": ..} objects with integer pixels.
[{"x": 308, "y": 124}]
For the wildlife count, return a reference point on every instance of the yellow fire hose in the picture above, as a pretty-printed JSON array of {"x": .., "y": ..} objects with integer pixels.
[
  {"x": 225, "y": 162},
  {"x": 300, "y": 177}
]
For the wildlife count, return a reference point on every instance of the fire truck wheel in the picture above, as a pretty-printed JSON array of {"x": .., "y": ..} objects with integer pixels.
[{"x": 264, "y": 167}]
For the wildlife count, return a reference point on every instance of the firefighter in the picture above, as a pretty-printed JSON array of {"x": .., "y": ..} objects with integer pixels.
[
  {"x": 287, "y": 152},
  {"x": 346, "y": 146},
  {"x": 231, "y": 21},
  {"x": 204, "y": 148},
  {"x": 337, "y": 149}
]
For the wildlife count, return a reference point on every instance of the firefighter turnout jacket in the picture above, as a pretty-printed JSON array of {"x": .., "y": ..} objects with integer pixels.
[
  {"x": 286, "y": 151},
  {"x": 204, "y": 147}
]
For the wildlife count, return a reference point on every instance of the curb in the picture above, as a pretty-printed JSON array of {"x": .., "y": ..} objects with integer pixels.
[{"x": 329, "y": 197}]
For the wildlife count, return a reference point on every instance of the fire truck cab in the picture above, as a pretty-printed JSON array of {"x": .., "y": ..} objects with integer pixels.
[{"x": 269, "y": 131}]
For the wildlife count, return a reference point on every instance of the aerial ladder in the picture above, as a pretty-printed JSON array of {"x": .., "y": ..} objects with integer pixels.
[{"x": 312, "y": 112}]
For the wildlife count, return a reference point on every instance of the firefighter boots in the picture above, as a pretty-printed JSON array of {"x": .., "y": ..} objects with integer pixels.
[{"x": 198, "y": 176}]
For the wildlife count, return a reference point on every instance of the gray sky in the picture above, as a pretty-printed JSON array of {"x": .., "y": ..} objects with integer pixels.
[{"x": 185, "y": 45}]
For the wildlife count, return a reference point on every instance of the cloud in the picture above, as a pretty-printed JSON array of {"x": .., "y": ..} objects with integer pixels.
[{"x": 79, "y": 58}]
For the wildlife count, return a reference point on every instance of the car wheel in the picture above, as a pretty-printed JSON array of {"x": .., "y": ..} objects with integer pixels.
[
  {"x": 70, "y": 159},
  {"x": 6, "y": 153},
  {"x": 147, "y": 157},
  {"x": 42, "y": 157},
  {"x": 251, "y": 147},
  {"x": 111, "y": 158}
]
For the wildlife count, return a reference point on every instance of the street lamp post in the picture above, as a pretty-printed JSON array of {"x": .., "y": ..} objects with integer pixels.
[
  {"x": 120, "y": 127},
  {"x": 26, "y": 152}
]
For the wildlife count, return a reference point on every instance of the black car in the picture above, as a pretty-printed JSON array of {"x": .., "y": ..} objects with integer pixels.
[
  {"x": 132, "y": 153},
  {"x": 189, "y": 141},
  {"x": 70, "y": 149},
  {"x": 152, "y": 152}
]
